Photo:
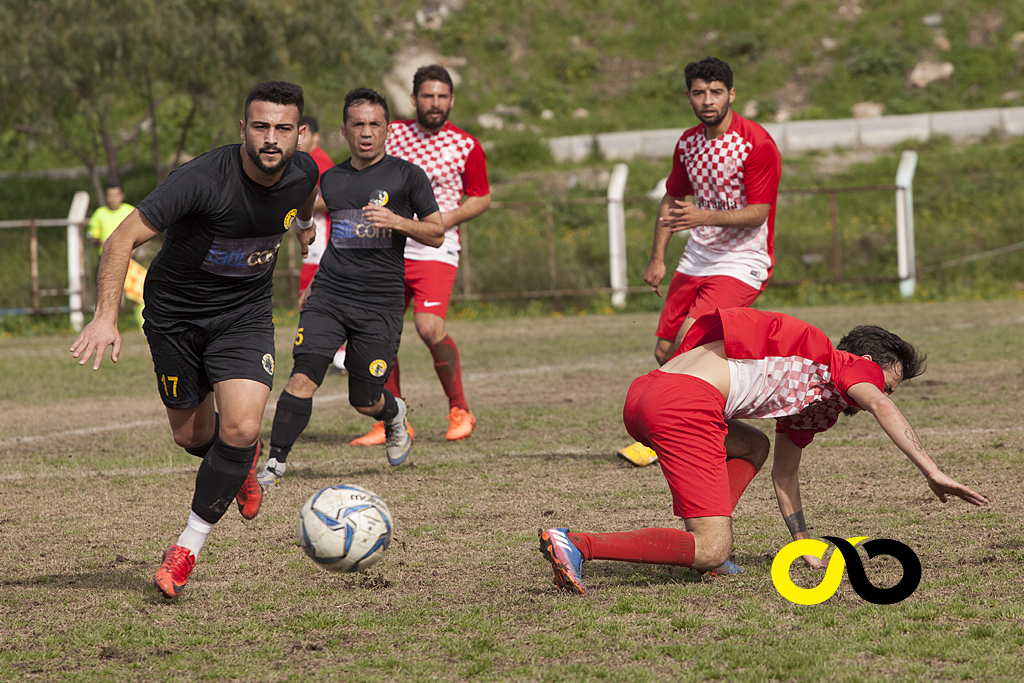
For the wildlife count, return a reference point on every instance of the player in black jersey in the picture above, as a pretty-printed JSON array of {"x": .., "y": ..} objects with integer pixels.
[
  {"x": 357, "y": 297},
  {"x": 209, "y": 308}
]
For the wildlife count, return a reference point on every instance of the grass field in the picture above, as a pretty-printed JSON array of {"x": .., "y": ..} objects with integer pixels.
[{"x": 93, "y": 489}]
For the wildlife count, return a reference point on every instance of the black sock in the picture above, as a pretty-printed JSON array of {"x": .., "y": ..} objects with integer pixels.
[
  {"x": 201, "y": 451},
  {"x": 219, "y": 479},
  {"x": 290, "y": 418},
  {"x": 390, "y": 409}
]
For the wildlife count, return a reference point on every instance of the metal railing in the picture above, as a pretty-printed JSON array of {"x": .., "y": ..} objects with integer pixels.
[{"x": 37, "y": 292}]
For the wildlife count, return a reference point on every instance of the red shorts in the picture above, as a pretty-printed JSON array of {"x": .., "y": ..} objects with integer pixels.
[
  {"x": 691, "y": 297},
  {"x": 430, "y": 283},
  {"x": 681, "y": 418},
  {"x": 306, "y": 274}
]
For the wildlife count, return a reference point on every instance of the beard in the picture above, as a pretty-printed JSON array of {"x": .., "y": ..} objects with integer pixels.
[
  {"x": 719, "y": 117},
  {"x": 254, "y": 155},
  {"x": 438, "y": 120}
]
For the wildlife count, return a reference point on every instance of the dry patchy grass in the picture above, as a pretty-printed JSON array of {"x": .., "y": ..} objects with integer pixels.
[{"x": 93, "y": 489}]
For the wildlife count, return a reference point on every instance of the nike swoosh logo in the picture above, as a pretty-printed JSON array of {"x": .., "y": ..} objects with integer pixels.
[{"x": 430, "y": 304}]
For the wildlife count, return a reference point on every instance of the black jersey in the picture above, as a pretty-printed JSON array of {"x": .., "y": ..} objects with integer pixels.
[
  {"x": 365, "y": 266},
  {"x": 222, "y": 232}
]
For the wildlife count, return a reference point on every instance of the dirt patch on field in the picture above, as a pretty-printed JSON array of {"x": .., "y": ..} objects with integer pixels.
[{"x": 463, "y": 593}]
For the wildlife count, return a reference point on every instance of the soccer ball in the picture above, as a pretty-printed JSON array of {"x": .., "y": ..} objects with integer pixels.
[{"x": 345, "y": 528}]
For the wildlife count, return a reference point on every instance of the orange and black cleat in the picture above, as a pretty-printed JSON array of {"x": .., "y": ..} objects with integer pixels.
[
  {"x": 171, "y": 577},
  {"x": 250, "y": 496}
]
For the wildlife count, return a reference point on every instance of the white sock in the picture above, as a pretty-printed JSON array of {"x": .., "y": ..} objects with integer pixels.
[
  {"x": 339, "y": 359},
  {"x": 195, "y": 533},
  {"x": 277, "y": 467}
]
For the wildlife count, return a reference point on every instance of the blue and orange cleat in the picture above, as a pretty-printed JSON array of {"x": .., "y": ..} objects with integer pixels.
[
  {"x": 565, "y": 558},
  {"x": 726, "y": 569}
]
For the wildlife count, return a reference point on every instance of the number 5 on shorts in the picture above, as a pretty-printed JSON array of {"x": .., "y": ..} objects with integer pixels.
[{"x": 298, "y": 336}]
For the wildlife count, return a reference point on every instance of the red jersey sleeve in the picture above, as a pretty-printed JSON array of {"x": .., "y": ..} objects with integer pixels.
[
  {"x": 474, "y": 178},
  {"x": 848, "y": 369},
  {"x": 678, "y": 183},
  {"x": 762, "y": 171}
]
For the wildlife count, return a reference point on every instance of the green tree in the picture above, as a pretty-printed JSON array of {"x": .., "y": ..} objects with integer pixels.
[{"x": 94, "y": 77}]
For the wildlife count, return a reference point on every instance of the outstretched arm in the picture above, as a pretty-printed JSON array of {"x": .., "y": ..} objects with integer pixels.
[
  {"x": 101, "y": 332},
  {"x": 898, "y": 428},
  {"x": 786, "y": 478}
]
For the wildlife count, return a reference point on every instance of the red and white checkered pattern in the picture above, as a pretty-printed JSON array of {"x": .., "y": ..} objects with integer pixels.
[
  {"x": 443, "y": 156},
  {"x": 716, "y": 172},
  {"x": 797, "y": 390}
]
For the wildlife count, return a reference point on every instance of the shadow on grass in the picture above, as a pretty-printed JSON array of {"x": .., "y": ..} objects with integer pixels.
[{"x": 132, "y": 578}]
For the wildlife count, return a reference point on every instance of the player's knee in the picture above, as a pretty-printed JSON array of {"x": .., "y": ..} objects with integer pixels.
[
  {"x": 711, "y": 549},
  {"x": 363, "y": 395},
  {"x": 240, "y": 433},
  {"x": 431, "y": 332},
  {"x": 308, "y": 374},
  {"x": 759, "y": 453},
  {"x": 187, "y": 438}
]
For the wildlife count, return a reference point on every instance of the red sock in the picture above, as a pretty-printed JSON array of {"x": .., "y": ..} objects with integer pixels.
[
  {"x": 446, "y": 364},
  {"x": 392, "y": 383},
  {"x": 647, "y": 546},
  {"x": 741, "y": 473}
]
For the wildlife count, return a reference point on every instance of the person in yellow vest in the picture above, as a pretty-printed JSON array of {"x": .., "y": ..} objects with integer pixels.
[{"x": 103, "y": 222}]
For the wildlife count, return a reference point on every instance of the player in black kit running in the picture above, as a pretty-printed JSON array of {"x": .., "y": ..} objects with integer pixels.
[
  {"x": 357, "y": 297},
  {"x": 209, "y": 308}
]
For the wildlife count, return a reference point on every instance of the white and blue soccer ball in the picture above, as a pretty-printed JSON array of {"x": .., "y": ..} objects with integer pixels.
[{"x": 345, "y": 528}]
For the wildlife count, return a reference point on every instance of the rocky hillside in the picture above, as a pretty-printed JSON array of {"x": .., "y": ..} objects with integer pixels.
[{"x": 559, "y": 67}]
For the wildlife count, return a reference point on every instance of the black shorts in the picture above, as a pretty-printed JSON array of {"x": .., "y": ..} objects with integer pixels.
[
  {"x": 371, "y": 337},
  {"x": 189, "y": 357}
]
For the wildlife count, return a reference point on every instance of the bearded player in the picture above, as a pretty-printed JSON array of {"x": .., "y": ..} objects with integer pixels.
[
  {"x": 731, "y": 168},
  {"x": 209, "y": 305},
  {"x": 742, "y": 363},
  {"x": 455, "y": 163}
]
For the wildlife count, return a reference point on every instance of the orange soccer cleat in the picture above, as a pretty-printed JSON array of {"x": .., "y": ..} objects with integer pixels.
[
  {"x": 376, "y": 436},
  {"x": 171, "y": 577},
  {"x": 460, "y": 424},
  {"x": 250, "y": 496}
]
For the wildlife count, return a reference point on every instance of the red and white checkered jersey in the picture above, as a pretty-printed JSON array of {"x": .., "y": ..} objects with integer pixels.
[
  {"x": 782, "y": 367},
  {"x": 456, "y": 165},
  {"x": 740, "y": 168}
]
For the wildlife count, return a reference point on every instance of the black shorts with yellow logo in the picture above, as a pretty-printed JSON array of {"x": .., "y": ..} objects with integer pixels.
[
  {"x": 371, "y": 337},
  {"x": 189, "y": 357}
]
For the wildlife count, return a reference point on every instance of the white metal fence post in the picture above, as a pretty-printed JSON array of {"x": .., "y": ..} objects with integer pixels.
[
  {"x": 617, "y": 233},
  {"x": 905, "y": 257},
  {"x": 76, "y": 219}
]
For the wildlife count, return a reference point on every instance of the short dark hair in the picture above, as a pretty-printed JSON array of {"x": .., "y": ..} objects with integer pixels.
[
  {"x": 885, "y": 348},
  {"x": 431, "y": 72},
  {"x": 365, "y": 96},
  {"x": 310, "y": 122},
  {"x": 275, "y": 92},
  {"x": 708, "y": 69}
]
